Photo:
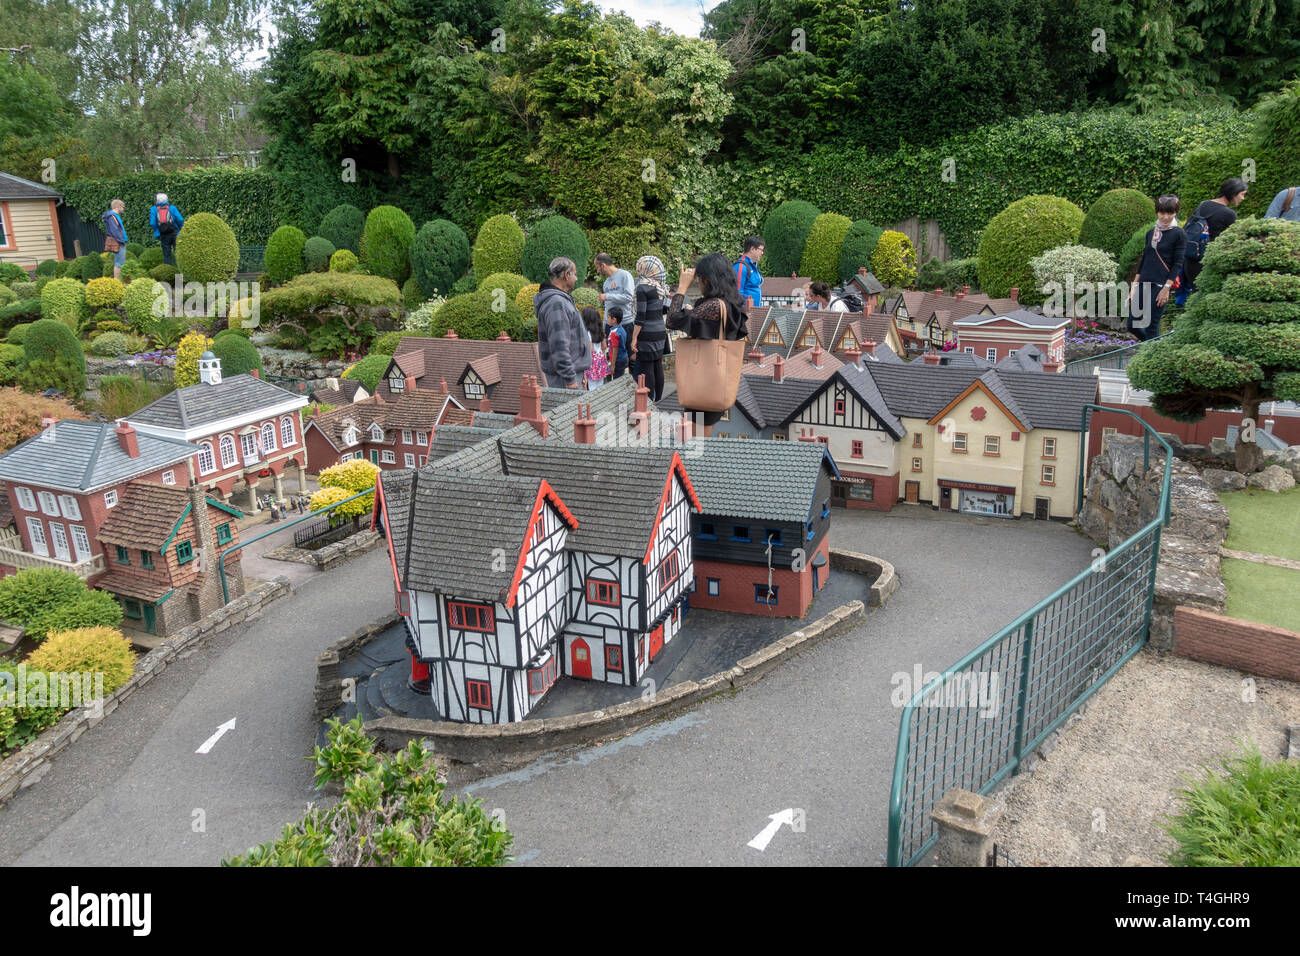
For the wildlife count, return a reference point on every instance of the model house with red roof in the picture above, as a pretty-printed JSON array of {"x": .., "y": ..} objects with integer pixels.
[
  {"x": 925, "y": 319},
  {"x": 245, "y": 429},
  {"x": 995, "y": 337},
  {"x": 475, "y": 371}
]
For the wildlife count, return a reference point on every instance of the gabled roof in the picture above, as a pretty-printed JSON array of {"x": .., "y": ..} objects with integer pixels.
[
  {"x": 859, "y": 381},
  {"x": 867, "y": 283},
  {"x": 800, "y": 366},
  {"x": 487, "y": 368},
  {"x": 783, "y": 287},
  {"x": 148, "y": 514},
  {"x": 778, "y": 401},
  {"x": 873, "y": 327},
  {"x": 756, "y": 319},
  {"x": 449, "y": 439},
  {"x": 956, "y": 359},
  {"x": 1021, "y": 317},
  {"x": 787, "y": 323},
  {"x": 197, "y": 405},
  {"x": 82, "y": 456},
  {"x": 1027, "y": 358},
  {"x": 493, "y": 420},
  {"x": 430, "y": 361},
  {"x": 14, "y": 188},
  {"x": 768, "y": 481},
  {"x": 453, "y": 415},
  {"x": 345, "y": 394}
]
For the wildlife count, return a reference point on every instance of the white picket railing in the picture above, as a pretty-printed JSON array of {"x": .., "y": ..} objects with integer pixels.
[{"x": 12, "y": 554}]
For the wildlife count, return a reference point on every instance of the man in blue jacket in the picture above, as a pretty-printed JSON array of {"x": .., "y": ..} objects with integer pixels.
[
  {"x": 166, "y": 221},
  {"x": 748, "y": 281}
]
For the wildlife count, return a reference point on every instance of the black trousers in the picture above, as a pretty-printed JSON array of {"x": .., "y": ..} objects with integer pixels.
[
  {"x": 1143, "y": 313},
  {"x": 168, "y": 244},
  {"x": 653, "y": 370}
]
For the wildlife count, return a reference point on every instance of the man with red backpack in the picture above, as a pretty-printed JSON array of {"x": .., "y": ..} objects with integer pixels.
[{"x": 166, "y": 221}]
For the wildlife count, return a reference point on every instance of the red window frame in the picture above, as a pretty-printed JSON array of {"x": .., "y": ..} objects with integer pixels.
[
  {"x": 640, "y": 650},
  {"x": 544, "y": 675},
  {"x": 857, "y": 449},
  {"x": 602, "y": 592},
  {"x": 478, "y": 693},
  {"x": 614, "y": 658},
  {"x": 839, "y": 406},
  {"x": 462, "y": 610},
  {"x": 669, "y": 571}
]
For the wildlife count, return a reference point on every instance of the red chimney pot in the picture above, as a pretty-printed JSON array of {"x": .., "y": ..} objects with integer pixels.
[
  {"x": 451, "y": 334},
  {"x": 1015, "y": 294},
  {"x": 127, "y": 438},
  {"x": 503, "y": 336},
  {"x": 931, "y": 358}
]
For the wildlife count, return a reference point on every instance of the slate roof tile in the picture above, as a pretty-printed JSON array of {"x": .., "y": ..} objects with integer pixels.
[
  {"x": 81, "y": 456},
  {"x": 203, "y": 404},
  {"x": 763, "y": 480}
]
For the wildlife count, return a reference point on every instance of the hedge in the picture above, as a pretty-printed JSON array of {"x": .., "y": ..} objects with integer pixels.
[
  {"x": 96, "y": 650},
  {"x": 284, "y": 254},
  {"x": 625, "y": 244},
  {"x": 821, "y": 252},
  {"x": 369, "y": 371},
  {"x": 439, "y": 256},
  {"x": 206, "y": 249}
]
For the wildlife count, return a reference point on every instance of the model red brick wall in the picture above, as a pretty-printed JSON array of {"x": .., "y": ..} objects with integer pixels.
[
  {"x": 1257, "y": 649},
  {"x": 1214, "y": 425},
  {"x": 737, "y": 581},
  {"x": 886, "y": 493},
  {"x": 284, "y": 454}
]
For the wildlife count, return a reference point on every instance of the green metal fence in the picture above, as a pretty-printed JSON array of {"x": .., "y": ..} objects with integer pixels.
[
  {"x": 252, "y": 258},
  {"x": 1118, "y": 358},
  {"x": 973, "y": 726}
]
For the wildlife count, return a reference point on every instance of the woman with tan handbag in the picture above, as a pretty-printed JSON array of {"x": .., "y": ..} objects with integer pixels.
[{"x": 709, "y": 358}]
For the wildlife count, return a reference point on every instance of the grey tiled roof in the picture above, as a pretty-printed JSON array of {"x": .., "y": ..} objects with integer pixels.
[
  {"x": 963, "y": 360},
  {"x": 202, "y": 404},
  {"x": 1027, "y": 358},
  {"x": 860, "y": 382},
  {"x": 1051, "y": 401},
  {"x": 867, "y": 283},
  {"x": 1023, "y": 316},
  {"x": 915, "y": 390},
  {"x": 777, "y": 401},
  {"x": 449, "y": 439},
  {"x": 993, "y": 382},
  {"x": 446, "y": 526},
  {"x": 81, "y": 456},
  {"x": 787, "y": 322},
  {"x": 493, "y": 420},
  {"x": 765, "y": 480},
  {"x": 12, "y": 187}
]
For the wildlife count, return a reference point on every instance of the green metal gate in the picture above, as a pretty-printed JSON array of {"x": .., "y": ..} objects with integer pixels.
[{"x": 973, "y": 726}]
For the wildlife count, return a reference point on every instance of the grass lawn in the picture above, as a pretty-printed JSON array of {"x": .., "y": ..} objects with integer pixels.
[
  {"x": 1262, "y": 593},
  {"x": 1264, "y": 521}
]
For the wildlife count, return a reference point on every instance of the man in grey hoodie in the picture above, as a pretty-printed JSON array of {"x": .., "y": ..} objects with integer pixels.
[{"x": 563, "y": 342}]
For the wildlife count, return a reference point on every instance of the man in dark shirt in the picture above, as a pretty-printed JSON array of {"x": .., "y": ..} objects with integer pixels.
[{"x": 1218, "y": 214}]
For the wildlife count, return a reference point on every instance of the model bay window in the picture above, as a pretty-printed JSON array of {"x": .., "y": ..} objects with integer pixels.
[
  {"x": 541, "y": 678},
  {"x": 602, "y": 592},
  {"x": 669, "y": 571},
  {"x": 471, "y": 617}
]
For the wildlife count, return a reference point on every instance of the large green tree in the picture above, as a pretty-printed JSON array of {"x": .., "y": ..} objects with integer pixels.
[{"x": 1238, "y": 345}]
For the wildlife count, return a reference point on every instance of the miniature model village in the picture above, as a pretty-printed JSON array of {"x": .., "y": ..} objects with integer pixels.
[{"x": 535, "y": 533}]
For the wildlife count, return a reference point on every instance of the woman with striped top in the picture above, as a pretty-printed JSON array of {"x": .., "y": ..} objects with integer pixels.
[{"x": 650, "y": 337}]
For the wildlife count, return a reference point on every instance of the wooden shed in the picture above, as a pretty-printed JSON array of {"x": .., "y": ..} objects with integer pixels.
[{"x": 29, "y": 225}]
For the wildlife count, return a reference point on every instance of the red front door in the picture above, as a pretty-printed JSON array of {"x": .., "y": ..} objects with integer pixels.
[
  {"x": 580, "y": 659},
  {"x": 656, "y": 641}
]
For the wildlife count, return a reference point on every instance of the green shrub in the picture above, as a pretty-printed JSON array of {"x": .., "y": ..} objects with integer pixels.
[
  {"x": 39, "y": 284},
  {"x": 64, "y": 300},
  {"x": 1059, "y": 271},
  {"x": 238, "y": 355},
  {"x": 821, "y": 252},
  {"x": 498, "y": 246},
  {"x": 36, "y": 376},
  {"x": 105, "y": 264},
  {"x": 552, "y": 237},
  {"x": 164, "y": 273},
  {"x": 41, "y": 600},
  {"x": 316, "y": 253},
  {"x": 145, "y": 302},
  {"x": 9, "y": 271},
  {"x": 62, "y": 268},
  {"x": 1025, "y": 229},
  {"x": 439, "y": 256},
  {"x": 47, "y": 267},
  {"x": 95, "y": 650},
  {"x": 386, "y": 243},
  {"x": 23, "y": 311},
  {"x": 19, "y": 726},
  {"x": 412, "y": 294},
  {"x": 18, "y": 333},
  {"x": 524, "y": 301},
  {"x": 7, "y": 295},
  {"x": 932, "y": 275},
  {"x": 1131, "y": 255},
  {"x": 106, "y": 321},
  {"x": 133, "y": 270},
  {"x": 584, "y": 296},
  {"x": 11, "y": 362},
  {"x": 86, "y": 267},
  {"x": 369, "y": 371},
  {"x": 108, "y": 344},
  {"x": 785, "y": 230},
  {"x": 104, "y": 292},
  {"x": 510, "y": 284},
  {"x": 121, "y": 395},
  {"x": 134, "y": 249},
  {"x": 343, "y": 226},
  {"x": 51, "y": 339},
  {"x": 466, "y": 283},
  {"x": 625, "y": 245},
  {"x": 472, "y": 316},
  {"x": 206, "y": 249},
  {"x": 387, "y": 343},
  {"x": 1205, "y": 170},
  {"x": 284, "y": 254},
  {"x": 24, "y": 290},
  {"x": 315, "y": 290},
  {"x": 893, "y": 261},
  {"x": 344, "y": 260},
  {"x": 1113, "y": 217},
  {"x": 151, "y": 257}
]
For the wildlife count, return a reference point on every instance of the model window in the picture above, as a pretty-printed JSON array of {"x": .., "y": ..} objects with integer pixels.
[
  {"x": 473, "y": 389},
  {"x": 777, "y": 436},
  {"x": 471, "y": 617},
  {"x": 969, "y": 351},
  {"x": 146, "y": 560},
  {"x": 389, "y": 457},
  {"x": 184, "y": 553},
  {"x": 739, "y": 532},
  {"x": 479, "y": 693},
  {"x": 603, "y": 592},
  {"x": 765, "y": 595},
  {"x": 916, "y": 464},
  {"x": 536, "y": 681},
  {"x": 396, "y": 383},
  {"x": 80, "y": 542},
  {"x": 715, "y": 587},
  {"x": 409, "y": 460},
  {"x": 248, "y": 445},
  {"x": 422, "y": 438},
  {"x": 992, "y": 445},
  {"x": 726, "y": 416},
  {"x": 131, "y": 608},
  {"x": 36, "y": 531},
  {"x": 810, "y": 530},
  {"x": 959, "y": 441},
  {"x": 742, "y": 435},
  {"x": 70, "y": 507},
  {"x": 706, "y": 530},
  {"x": 169, "y": 477},
  {"x": 406, "y": 436},
  {"x": 6, "y": 240},
  {"x": 26, "y": 500},
  {"x": 223, "y": 533},
  {"x": 228, "y": 459},
  {"x": 423, "y": 460},
  {"x": 268, "y": 437},
  {"x": 123, "y": 555},
  {"x": 59, "y": 538},
  {"x": 351, "y": 437},
  {"x": 839, "y": 406},
  {"x": 614, "y": 658},
  {"x": 110, "y": 499},
  {"x": 640, "y": 650},
  {"x": 1049, "y": 474},
  {"x": 916, "y": 439},
  {"x": 773, "y": 336},
  {"x": 669, "y": 571},
  {"x": 772, "y": 535},
  {"x": 826, "y": 508},
  {"x": 376, "y": 433},
  {"x": 1049, "y": 447},
  {"x": 49, "y": 504},
  {"x": 288, "y": 434},
  {"x": 857, "y": 449},
  {"x": 991, "y": 354}
]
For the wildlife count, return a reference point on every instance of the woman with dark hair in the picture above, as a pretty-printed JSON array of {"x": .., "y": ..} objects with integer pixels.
[
  {"x": 1161, "y": 263},
  {"x": 717, "y": 313}
]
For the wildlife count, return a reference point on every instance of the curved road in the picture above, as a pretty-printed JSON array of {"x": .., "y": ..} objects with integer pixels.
[{"x": 817, "y": 735}]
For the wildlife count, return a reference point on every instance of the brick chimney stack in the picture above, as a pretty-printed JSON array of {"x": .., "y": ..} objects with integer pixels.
[
  {"x": 1051, "y": 367},
  {"x": 817, "y": 354},
  {"x": 938, "y": 291},
  {"x": 778, "y": 370},
  {"x": 749, "y": 302},
  {"x": 255, "y": 372},
  {"x": 965, "y": 290},
  {"x": 127, "y": 438},
  {"x": 47, "y": 421},
  {"x": 530, "y": 405},
  {"x": 684, "y": 428},
  {"x": 931, "y": 358},
  {"x": 1015, "y": 294},
  {"x": 442, "y": 386},
  {"x": 584, "y": 427},
  {"x": 208, "y": 581},
  {"x": 642, "y": 396},
  {"x": 410, "y": 384},
  {"x": 484, "y": 405},
  {"x": 854, "y": 356},
  {"x": 862, "y": 270},
  {"x": 451, "y": 334},
  {"x": 806, "y": 434},
  {"x": 961, "y": 293},
  {"x": 755, "y": 355},
  {"x": 503, "y": 336}
]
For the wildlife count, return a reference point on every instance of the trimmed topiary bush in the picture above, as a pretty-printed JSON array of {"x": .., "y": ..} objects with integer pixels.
[
  {"x": 64, "y": 300},
  {"x": 50, "y": 339},
  {"x": 93, "y": 650},
  {"x": 86, "y": 267},
  {"x": 108, "y": 344},
  {"x": 134, "y": 249},
  {"x": 473, "y": 317},
  {"x": 39, "y": 285},
  {"x": 45, "y": 600},
  {"x": 1130, "y": 257},
  {"x": 584, "y": 296},
  {"x": 206, "y": 249},
  {"x": 1113, "y": 217},
  {"x": 369, "y": 371},
  {"x": 284, "y": 254},
  {"x": 9, "y": 271},
  {"x": 63, "y": 268},
  {"x": 107, "y": 321},
  {"x": 163, "y": 273},
  {"x": 785, "y": 231},
  {"x": 387, "y": 343},
  {"x": 18, "y": 333},
  {"x": 524, "y": 301},
  {"x": 145, "y": 302},
  {"x": 8, "y": 296},
  {"x": 343, "y": 226},
  {"x": 552, "y": 237},
  {"x": 105, "y": 264},
  {"x": 133, "y": 270},
  {"x": 344, "y": 260},
  {"x": 1025, "y": 229},
  {"x": 47, "y": 267},
  {"x": 498, "y": 246},
  {"x": 238, "y": 355},
  {"x": 101, "y": 293},
  {"x": 439, "y": 256},
  {"x": 188, "y": 353},
  {"x": 386, "y": 243},
  {"x": 466, "y": 283},
  {"x": 412, "y": 294},
  {"x": 316, "y": 253},
  {"x": 894, "y": 260},
  {"x": 821, "y": 252},
  {"x": 510, "y": 284},
  {"x": 151, "y": 257}
]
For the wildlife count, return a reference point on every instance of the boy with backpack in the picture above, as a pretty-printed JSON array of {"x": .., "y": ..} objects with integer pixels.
[{"x": 166, "y": 221}]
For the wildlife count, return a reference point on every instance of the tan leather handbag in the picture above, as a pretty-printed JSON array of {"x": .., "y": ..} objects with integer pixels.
[{"x": 708, "y": 370}]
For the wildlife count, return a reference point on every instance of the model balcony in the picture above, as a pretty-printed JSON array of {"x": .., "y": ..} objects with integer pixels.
[{"x": 12, "y": 554}]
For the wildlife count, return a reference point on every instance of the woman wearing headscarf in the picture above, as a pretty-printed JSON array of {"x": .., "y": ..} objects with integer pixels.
[{"x": 649, "y": 336}]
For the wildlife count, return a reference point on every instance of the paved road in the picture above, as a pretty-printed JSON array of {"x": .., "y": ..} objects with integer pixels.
[{"x": 818, "y": 734}]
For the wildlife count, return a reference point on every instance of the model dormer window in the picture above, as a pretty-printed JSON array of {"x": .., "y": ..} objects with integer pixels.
[
  {"x": 376, "y": 433},
  {"x": 351, "y": 436},
  {"x": 848, "y": 341},
  {"x": 809, "y": 338},
  {"x": 773, "y": 336},
  {"x": 397, "y": 383},
  {"x": 473, "y": 384}
]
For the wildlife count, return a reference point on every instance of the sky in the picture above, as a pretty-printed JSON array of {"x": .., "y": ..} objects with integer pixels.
[{"x": 682, "y": 16}]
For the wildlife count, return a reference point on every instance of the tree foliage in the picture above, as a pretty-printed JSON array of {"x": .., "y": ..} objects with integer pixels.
[{"x": 21, "y": 415}]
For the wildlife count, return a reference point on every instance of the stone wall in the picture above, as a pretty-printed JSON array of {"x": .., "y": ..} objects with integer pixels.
[
  {"x": 99, "y": 368},
  {"x": 1121, "y": 500},
  {"x": 26, "y": 767},
  {"x": 300, "y": 364},
  {"x": 332, "y": 555}
]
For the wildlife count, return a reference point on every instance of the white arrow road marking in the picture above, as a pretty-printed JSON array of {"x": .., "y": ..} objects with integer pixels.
[
  {"x": 211, "y": 742},
  {"x": 761, "y": 841}
]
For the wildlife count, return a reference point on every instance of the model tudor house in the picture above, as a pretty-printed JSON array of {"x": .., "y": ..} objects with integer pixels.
[
  {"x": 925, "y": 319},
  {"x": 784, "y": 291},
  {"x": 480, "y": 374},
  {"x": 29, "y": 225},
  {"x": 339, "y": 391},
  {"x": 787, "y": 332},
  {"x": 994, "y": 337},
  {"x": 245, "y": 429}
]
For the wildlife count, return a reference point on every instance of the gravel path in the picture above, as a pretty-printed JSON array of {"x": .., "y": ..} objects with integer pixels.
[{"x": 1096, "y": 799}]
